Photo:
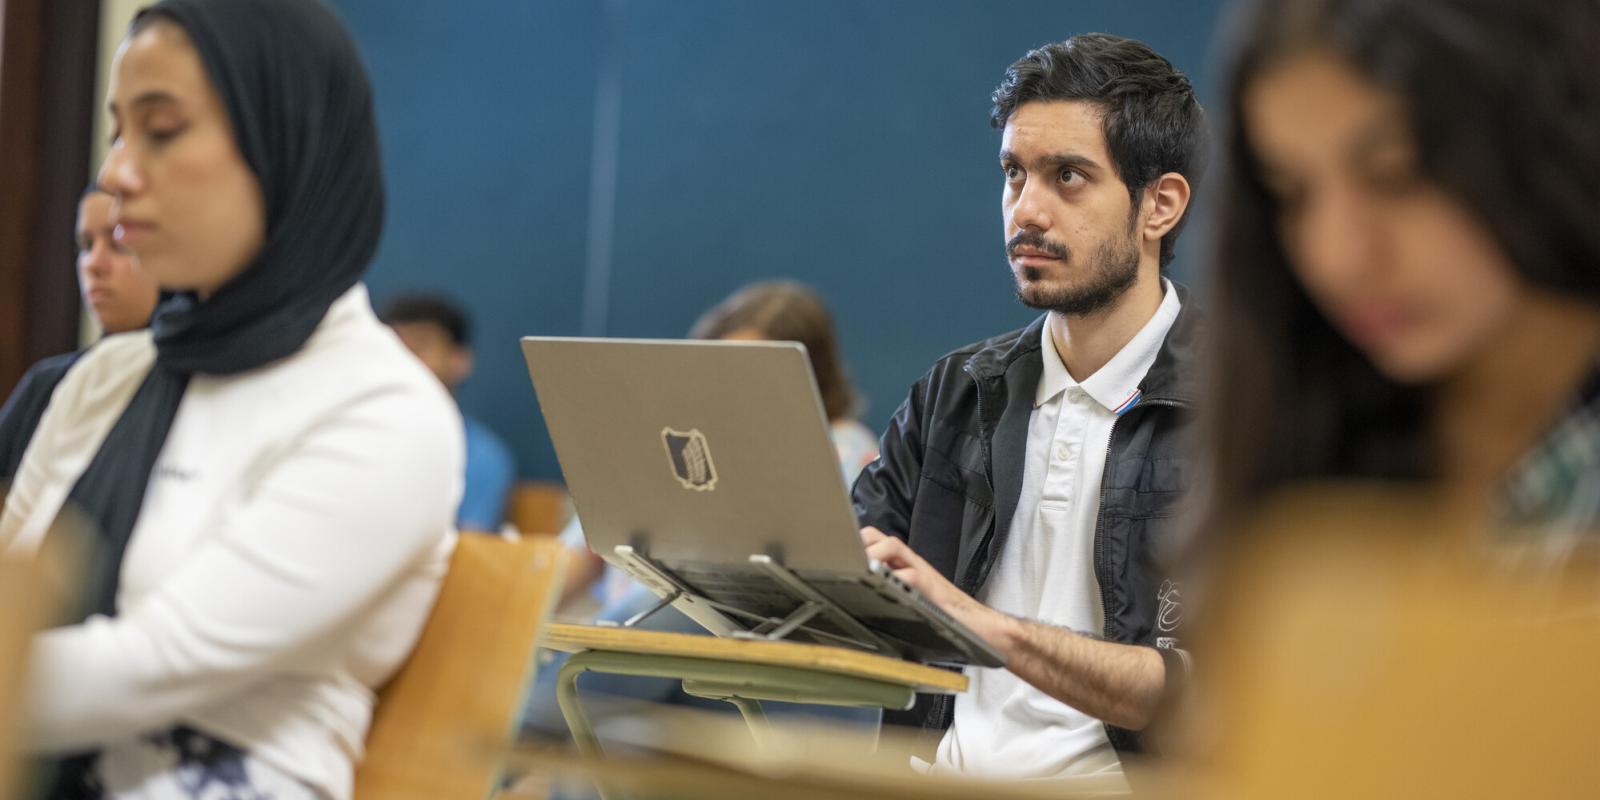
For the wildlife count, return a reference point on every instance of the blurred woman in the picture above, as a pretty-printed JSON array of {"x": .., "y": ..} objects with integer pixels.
[
  {"x": 1408, "y": 275},
  {"x": 119, "y": 295},
  {"x": 115, "y": 290},
  {"x": 271, "y": 475}
]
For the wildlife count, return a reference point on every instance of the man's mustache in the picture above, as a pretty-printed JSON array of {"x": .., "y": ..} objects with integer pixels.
[{"x": 1036, "y": 240}]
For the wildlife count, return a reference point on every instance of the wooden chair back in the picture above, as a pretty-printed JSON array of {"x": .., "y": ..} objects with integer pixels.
[{"x": 441, "y": 721}]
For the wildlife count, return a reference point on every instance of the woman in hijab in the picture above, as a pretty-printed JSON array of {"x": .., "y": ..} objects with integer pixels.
[{"x": 270, "y": 476}]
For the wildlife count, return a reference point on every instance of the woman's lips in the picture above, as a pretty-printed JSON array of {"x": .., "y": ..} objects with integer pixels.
[
  {"x": 1374, "y": 324},
  {"x": 131, "y": 231}
]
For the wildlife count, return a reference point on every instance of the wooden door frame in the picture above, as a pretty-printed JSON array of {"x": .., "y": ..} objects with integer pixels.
[{"x": 49, "y": 51}]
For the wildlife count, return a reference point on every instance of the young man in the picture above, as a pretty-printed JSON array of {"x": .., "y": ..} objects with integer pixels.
[
  {"x": 1024, "y": 483},
  {"x": 435, "y": 330},
  {"x": 119, "y": 295}
]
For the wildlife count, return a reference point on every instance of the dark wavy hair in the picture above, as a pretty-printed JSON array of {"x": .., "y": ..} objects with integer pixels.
[
  {"x": 1152, "y": 123},
  {"x": 1503, "y": 100},
  {"x": 432, "y": 309},
  {"x": 787, "y": 311}
]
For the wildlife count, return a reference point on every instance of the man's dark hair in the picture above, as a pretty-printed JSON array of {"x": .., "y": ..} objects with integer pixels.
[
  {"x": 429, "y": 308},
  {"x": 1152, "y": 123}
]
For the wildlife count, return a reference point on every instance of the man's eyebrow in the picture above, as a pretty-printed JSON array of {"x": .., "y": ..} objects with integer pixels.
[{"x": 1057, "y": 160}]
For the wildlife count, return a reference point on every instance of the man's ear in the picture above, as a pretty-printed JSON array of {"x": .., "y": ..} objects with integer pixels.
[{"x": 1165, "y": 202}]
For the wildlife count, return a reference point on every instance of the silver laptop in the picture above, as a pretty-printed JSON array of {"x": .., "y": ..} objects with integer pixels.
[{"x": 706, "y": 471}]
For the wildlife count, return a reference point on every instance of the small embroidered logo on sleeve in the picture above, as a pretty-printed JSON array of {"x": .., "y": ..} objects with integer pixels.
[{"x": 1170, "y": 612}]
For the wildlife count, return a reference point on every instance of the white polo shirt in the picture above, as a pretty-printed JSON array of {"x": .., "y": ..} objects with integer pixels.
[{"x": 1003, "y": 726}]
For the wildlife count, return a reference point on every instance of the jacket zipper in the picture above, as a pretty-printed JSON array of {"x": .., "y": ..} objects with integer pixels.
[{"x": 968, "y": 583}]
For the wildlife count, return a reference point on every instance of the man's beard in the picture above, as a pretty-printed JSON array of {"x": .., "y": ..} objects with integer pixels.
[{"x": 1113, "y": 268}]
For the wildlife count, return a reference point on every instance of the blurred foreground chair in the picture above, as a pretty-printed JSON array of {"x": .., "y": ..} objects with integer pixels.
[
  {"x": 19, "y": 593},
  {"x": 33, "y": 593},
  {"x": 539, "y": 507},
  {"x": 442, "y": 720},
  {"x": 1364, "y": 643}
]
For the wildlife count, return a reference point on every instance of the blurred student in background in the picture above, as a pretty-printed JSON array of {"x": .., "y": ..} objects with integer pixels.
[
  {"x": 440, "y": 334},
  {"x": 1404, "y": 432},
  {"x": 118, "y": 294},
  {"x": 270, "y": 476},
  {"x": 786, "y": 311},
  {"x": 1409, "y": 259}
]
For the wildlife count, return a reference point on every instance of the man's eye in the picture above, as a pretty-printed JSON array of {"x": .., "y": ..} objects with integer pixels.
[
  {"x": 1068, "y": 176},
  {"x": 1013, "y": 172}
]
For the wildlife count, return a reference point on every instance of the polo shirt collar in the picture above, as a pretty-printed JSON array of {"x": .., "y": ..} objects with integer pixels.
[{"x": 1115, "y": 385}]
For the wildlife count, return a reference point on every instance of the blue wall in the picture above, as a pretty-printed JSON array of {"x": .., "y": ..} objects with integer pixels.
[{"x": 841, "y": 142}]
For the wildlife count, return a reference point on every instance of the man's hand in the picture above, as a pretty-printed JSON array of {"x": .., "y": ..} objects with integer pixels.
[
  {"x": 1118, "y": 683},
  {"x": 989, "y": 624}
]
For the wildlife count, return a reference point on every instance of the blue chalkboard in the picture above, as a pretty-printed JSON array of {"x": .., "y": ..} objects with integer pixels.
[{"x": 840, "y": 142}]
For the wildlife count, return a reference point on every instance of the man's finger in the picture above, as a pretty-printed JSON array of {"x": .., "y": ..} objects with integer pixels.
[
  {"x": 886, "y": 553},
  {"x": 887, "y": 546},
  {"x": 870, "y": 534},
  {"x": 894, "y": 552}
]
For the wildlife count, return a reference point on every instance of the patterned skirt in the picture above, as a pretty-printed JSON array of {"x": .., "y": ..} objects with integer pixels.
[{"x": 177, "y": 764}]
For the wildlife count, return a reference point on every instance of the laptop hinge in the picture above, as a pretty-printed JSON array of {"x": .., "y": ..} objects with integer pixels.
[{"x": 640, "y": 566}]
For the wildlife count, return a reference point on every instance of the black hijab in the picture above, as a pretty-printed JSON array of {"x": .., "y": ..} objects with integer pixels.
[{"x": 301, "y": 108}]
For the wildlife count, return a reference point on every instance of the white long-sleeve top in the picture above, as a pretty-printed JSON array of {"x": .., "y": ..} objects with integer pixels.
[{"x": 294, "y": 533}]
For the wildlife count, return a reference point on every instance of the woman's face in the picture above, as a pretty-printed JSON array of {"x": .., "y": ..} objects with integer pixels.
[
  {"x": 187, "y": 203},
  {"x": 1399, "y": 267},
  {"x": 119, "y": 293}
]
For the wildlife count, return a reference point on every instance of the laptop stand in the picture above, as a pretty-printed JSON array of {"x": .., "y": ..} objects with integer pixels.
[{"x": 813, "y": 603}]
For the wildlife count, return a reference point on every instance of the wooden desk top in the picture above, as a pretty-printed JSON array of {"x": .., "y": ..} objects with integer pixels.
[{"x": 838, "y": 660}]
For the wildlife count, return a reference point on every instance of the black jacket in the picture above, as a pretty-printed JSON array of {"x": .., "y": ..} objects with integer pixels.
[
  {"x": 950, "y": 474},
  {"x": 20, "y": 415}
]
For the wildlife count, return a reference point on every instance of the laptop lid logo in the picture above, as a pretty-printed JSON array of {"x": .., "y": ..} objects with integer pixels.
[{"x": 690, "y": 458}]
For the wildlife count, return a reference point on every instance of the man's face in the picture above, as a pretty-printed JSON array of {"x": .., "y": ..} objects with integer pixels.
[
  {"x": 1070, "y": 224},
  {"x": 436, "y": 350},
  {"x": 120, "y": 294}
]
